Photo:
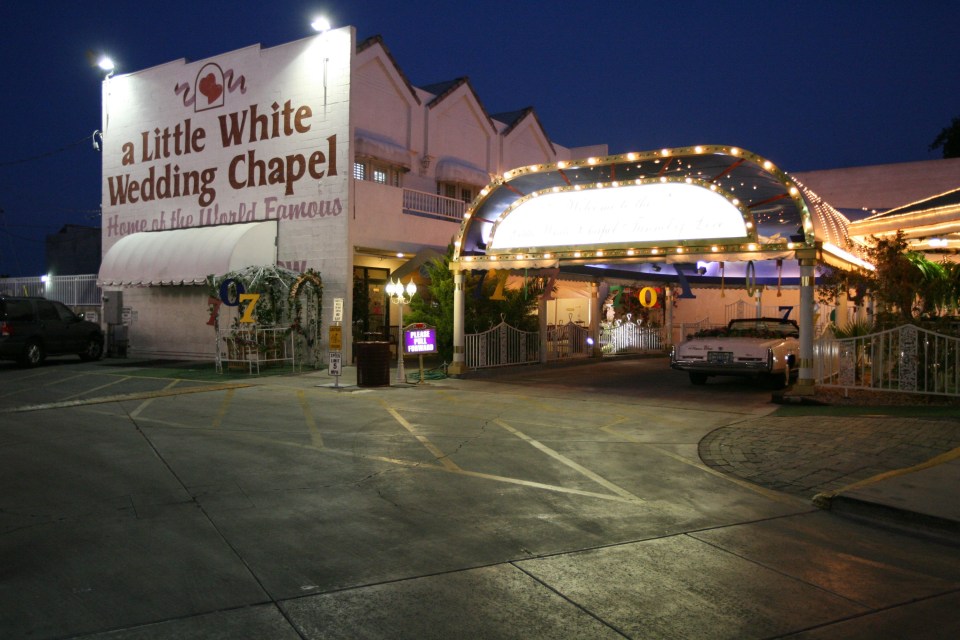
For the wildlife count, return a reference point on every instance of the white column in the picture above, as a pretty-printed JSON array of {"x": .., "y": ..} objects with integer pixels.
[
  {"x": 459, "y": 364},
  {"x": 668, "y": 317},
  {"x": 805, "y": 380},
  {"x": 596, "y": 352},
  {"x": 542, "y": 323}
]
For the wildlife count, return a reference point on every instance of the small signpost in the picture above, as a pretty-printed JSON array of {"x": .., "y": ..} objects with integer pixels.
[
  {"x": 336, "y": 342},
  {"x": 419, "y": 338},
  {"x": 335, "y": 366},
  {"x": 336, "y": 337}
]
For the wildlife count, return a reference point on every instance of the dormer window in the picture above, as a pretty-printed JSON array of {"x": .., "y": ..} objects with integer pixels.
[
  {"x": 457, "y": 191},
  {"x": 378, "y": 171}
]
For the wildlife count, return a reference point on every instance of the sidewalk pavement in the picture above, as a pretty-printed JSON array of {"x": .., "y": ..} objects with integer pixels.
[
  {"x": 925, "y": 497},
  {"x": 898, "y": 472},
  {"x": 895, "y": 471}
]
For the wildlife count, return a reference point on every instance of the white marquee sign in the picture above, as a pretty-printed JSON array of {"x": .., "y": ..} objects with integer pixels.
[{"x": 627, "y": 214}]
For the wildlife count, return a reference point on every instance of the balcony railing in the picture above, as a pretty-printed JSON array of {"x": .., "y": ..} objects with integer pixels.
[{"x": 430, "y": 204}]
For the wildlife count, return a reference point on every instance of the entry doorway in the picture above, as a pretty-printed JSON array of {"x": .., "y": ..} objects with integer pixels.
[{"x": 371, "y": 315}]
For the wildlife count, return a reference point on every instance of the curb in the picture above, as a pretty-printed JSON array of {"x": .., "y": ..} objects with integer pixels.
[
  {"x": 784, "y": 397},
  {"x": 940, "y": 529}
]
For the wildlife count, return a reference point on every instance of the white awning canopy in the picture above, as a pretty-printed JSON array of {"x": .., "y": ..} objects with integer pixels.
[
  {"x": 450, "y": 170},
  {"x": 187, "y": 256},
  {"x": 371, "y": 145}
]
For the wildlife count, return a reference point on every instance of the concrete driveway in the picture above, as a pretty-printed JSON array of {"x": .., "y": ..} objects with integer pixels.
[{"x": 536, "y": 503}]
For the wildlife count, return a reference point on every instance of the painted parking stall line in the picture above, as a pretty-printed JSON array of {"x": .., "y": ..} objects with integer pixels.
[
  {"x": 441, "y": 457},
  {"x": 316, "y": 438},
  {"x": 620, "y": 491},
  {"x": 164, "y": 393}
]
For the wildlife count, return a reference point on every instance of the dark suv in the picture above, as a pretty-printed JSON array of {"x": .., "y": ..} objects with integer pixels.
[{"x": 33, "y": 328}]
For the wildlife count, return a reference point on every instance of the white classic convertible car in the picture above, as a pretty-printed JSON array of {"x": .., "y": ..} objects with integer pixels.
[{"x": 754, "y": 347}]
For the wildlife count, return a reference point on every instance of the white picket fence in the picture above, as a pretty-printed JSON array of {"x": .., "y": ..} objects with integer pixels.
[
  {"x": 501, "y": 346},
  {"x": 907, "y": 359}
]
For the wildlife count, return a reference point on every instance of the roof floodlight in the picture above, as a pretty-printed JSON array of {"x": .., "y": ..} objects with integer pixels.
[{"x": 320, "y": 24}]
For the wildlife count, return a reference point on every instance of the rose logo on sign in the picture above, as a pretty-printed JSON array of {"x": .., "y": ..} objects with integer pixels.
[
  {"x": 210, "y": 88},
  {"x": 213, "y": 83}
]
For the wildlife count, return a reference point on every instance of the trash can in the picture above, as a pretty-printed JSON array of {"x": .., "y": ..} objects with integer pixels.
[{"x": 373, "y": 364}]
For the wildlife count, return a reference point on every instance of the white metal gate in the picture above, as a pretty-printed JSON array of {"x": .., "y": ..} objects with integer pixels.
[
  {"x": 568, "y": 341},
  {"x": 629, "y": 337},
  {"x": 501, "y": 346}
]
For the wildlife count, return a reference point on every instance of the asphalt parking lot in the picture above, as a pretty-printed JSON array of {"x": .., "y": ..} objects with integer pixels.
[{"x": 536, "y": 503}]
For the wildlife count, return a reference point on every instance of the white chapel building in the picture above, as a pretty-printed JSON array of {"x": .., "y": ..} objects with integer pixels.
[{"x": 317, "y": 155}]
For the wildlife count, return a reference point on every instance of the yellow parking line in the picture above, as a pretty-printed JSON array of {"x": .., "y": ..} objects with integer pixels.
[
  {"x": 570, "y": 463},
  {"x": 224, "y": 405},
  {"x": 146, "y": 403},
  {"x": 123, "y": 397},
  {"x": 948, "y": 456},
  {"x": 45, "y": 384},
  {"x": 432, "y": 448},
  {"x": 315, "y": 437},
  {"x": 103, "y": 386}
]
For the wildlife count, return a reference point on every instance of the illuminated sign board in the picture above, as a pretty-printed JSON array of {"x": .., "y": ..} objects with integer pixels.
[
  {"x": 419, "y": 338},
  {"x": 254, "y": 134},
  {"x": 656, "y": 212}
]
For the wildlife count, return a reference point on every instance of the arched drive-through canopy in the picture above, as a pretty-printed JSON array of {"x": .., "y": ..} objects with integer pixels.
[{"x": 623, "y": 214}]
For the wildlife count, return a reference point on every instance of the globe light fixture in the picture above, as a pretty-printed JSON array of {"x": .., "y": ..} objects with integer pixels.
[{"x": 400, "y": 295}]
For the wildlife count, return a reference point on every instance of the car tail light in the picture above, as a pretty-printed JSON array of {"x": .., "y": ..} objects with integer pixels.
[{"x": 6, "y": 329}]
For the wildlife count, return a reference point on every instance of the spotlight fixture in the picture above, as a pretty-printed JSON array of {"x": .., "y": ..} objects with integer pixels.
[
  {"x": 106, "y": 64},
  {"x": 320, "y": 24}
]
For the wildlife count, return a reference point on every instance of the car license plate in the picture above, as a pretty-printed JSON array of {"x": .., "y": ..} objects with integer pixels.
[{"x": 719, "y": 357}]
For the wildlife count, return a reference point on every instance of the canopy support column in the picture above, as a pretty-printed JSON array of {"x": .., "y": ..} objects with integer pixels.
[
  {"x": 668, "y": 318},
  {"x": 542, "y": 325},
  {"x": 459, "y": 364},
  {"x": 596, "y": 351},
  {"x": 805, "y": 379}
]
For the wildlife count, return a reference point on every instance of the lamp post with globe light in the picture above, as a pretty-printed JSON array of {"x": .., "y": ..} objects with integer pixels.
[{"x": 400, "y": 295}]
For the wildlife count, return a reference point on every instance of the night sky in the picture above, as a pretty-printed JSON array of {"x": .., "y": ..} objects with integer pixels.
[{"x": 809, "y": 85}]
